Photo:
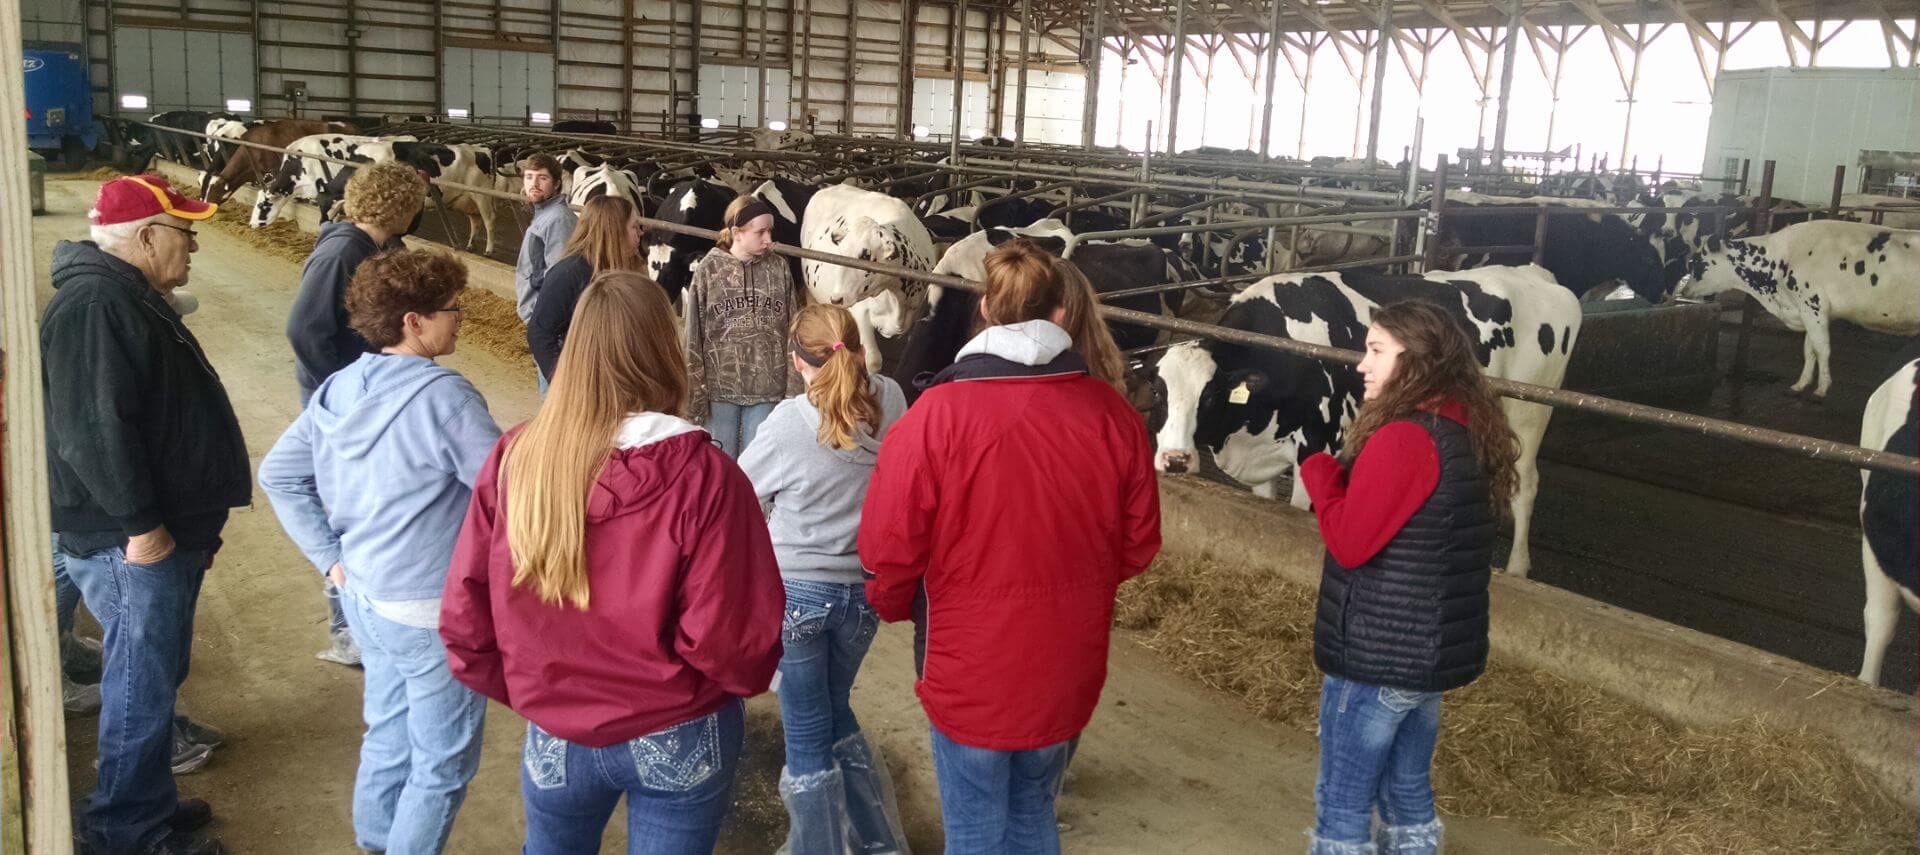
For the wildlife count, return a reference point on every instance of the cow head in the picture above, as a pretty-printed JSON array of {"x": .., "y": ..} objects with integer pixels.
[
  {"x": 857, "y": 237},
  {"x": 1701, "y": 281},
  {"x": 1255, "y": 424}
]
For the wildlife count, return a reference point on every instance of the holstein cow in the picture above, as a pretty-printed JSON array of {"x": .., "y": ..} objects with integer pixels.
[
  {"x": 215, "y": 152},
  {"x": 1811, "y": 274},
  {"x": 183, "y": 149},
  {"x": 605, "y": 179},
  {"x": 1889, "y": 542},
  {"x": 670, "y": 255},
  {"x": 302, "y": 175},
  {"x": 1260, "y": 412},
  {"x": 788, "y": 199},
  {"x": 1897, "y": 213},
  {"x": 952, "y": 316},
  {"x": 1581, "y": 251},
  {"x": 583, "y": 126},
  {"x": 862, "y": 224},
  {"x": 248, "y": 165},
  {"x": 470, "y": 165}
]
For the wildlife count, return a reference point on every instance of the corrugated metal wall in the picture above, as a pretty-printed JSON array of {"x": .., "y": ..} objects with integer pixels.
[
  {"x": 834, "y": 63},
  {"x": 53, "y": 21}
]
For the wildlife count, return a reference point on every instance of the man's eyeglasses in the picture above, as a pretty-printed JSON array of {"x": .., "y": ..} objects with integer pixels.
[{"x": 190, "y": 233}]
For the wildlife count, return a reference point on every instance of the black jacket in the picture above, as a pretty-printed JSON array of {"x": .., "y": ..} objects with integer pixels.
[
  {"x": 1415, "y": 616},
  {"x": 553, "y": 312},
  {"x": 317, "y": 326},
  {"x": 139, "y": 429}
]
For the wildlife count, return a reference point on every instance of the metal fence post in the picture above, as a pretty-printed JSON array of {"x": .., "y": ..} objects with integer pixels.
[{"x": 1430, "y": 230}]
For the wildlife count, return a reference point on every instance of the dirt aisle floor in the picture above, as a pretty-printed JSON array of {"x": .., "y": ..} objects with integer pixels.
[{"x": 1167, "y": 766}]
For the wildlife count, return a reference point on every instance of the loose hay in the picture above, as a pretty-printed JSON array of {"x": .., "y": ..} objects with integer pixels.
[
  {"x": 1568, "y": 762},
  {"x": 491, "y": 324}
]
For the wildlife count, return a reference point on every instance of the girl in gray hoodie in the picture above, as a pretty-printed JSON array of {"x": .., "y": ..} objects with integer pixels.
[{"x": 809, "y": 463}]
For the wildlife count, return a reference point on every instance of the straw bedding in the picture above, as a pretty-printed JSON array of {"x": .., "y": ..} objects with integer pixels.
[{"x": 1566, "y": 762}]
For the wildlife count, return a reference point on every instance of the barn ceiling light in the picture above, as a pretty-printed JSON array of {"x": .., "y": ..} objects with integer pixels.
[
  {"x": 133, "y": 102},
  {"x": 456, "y": 113},
  {"x": 709, "y": 124},
  {"x": 239, "y": 105},
  {"x": 975, "y": 133},
  {"x": 776, "y": 125},
  {"x": 543, "y": 118}
]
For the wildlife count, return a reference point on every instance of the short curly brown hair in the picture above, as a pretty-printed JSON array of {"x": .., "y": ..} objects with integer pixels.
[
  {"x": 388, "y": 193},
  {"x": 389, "y": 285}
]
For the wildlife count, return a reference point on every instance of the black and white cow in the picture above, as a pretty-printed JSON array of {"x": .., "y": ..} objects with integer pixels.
[
  {"x": 183, "y": 149},
  {"x": 788, "y": 199},
  {"x": 217, "y": 151},
  {"x": 469, "y": 165},
  {"x": 671, "y": 256},
  {"x": 849, "y": 221},
  {"x": 1260, "y": 412},
  {"x": 1889, "y": 503},
  {"x": 1583, "y": 252},
  {"x": 603, "y": 179},
  {"x": 1813, "y": 273},
  {"x": 584, "y": 126},
  {"x": 303, "y": 176}
]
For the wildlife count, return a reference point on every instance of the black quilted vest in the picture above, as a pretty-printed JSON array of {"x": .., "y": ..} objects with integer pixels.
[{"x": 1415, "y": 616}]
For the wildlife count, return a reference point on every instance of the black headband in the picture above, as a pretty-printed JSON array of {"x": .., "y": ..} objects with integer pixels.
[
  {"x": 755, "y": 208},
  {"x": 793, "y": 344}
]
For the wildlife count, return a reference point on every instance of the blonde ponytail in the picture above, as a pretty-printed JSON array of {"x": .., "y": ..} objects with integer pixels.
[{"x": 825, "y": 337}]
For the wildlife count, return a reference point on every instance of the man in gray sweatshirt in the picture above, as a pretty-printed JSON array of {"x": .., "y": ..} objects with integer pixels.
[{"x": 546, "y": 236}]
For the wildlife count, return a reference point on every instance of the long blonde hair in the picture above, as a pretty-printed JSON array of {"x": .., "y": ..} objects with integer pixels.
[
  {"x": 825, "y": 337},
  {"x": 602, "y": 236},
  {"x": 1081, "y": 319},
  {"x": 622, "y": 357}
]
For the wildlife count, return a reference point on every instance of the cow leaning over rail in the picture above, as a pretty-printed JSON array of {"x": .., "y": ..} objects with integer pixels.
[
  {"x": 862, "y": 224},
  {"x": 1260, "y": 412},
  {"x": 1889, "y": 542},
  {"x": 1814, "y": 273}
]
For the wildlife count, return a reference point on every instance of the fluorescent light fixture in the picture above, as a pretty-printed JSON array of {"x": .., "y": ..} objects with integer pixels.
[
  {"x": 776, "y": 125},
  {"x": 922, "y": 130},
  {"x": 239, "y": 105},
  {"x": 975, "y": 133},
  {"x": 456, "y": 112},
  {"x": 543, "y": 118},
  {"x": 133, "y": 102},
  {"x": 709, "y": 124}
]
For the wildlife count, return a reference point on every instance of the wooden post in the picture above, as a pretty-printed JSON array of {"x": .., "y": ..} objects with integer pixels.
[
  {"x": 1839, "y": 186},
  {"x": 1746, "y": 163},
  {"x": 34, "y": 740},
  {"x": 1430, "y": 254},
  {"x": 1090, "y": 103},
  {"x": 1540, "y": 236},
  {"x": 1762, "y": 224}
]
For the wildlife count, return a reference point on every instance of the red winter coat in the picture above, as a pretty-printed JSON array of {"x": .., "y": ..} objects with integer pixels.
[
  {"x": 1020, "y": 497},
  {"x": 685, "y": 599}
]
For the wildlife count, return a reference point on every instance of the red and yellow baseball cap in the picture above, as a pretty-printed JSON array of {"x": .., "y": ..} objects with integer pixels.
[{"x": 137, "y": 197}]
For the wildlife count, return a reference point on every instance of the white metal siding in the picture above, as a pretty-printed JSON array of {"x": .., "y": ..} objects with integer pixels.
[
  {"x": 52, "y": 21},
  {"x": 498, "y": 84},
  {"x": 183, "y": 69},
  {"x": 1809, "y": 121},
  {"x": 731, "y": 93}
]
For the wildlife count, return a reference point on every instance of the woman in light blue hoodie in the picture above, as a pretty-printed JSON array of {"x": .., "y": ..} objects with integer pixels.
[
  {"x": 809, "y": 463},
  {"x": 372, "y": 482}
]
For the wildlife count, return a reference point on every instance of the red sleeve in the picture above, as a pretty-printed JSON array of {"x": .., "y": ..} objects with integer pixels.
[
  {"x": 1361, "y": 511},
  {"x": 1141, "y": 517},
  {"x": 731, "y": 598},
  {"x": 896, "y": 522},
  {"x": 466, "y": 605}
]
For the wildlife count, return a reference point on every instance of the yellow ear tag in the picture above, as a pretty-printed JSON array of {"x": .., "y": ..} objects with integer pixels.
[{"x": 1240, "y": 394}]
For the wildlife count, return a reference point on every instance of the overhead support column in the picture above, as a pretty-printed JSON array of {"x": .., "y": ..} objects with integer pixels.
[
  {"x": 959, "y": 75},
  {"x": 1272, "y": 66},
  {"x": 903, "y": 118},
  {"x": 1095, "y": 47},
  {"x": 1385, "y": 23},
  {"x": 1507, "y": 52},
  {"x": 1020, "y": 82},
  {"x": 1633, "y": 94},
  {"x": 1179, "y": 66}
]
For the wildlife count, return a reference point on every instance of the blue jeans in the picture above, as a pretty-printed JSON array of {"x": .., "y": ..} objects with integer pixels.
[
  {"x": 146, "y": 612},
  {"x": 734, "y": 425},
  {"x": 826, "y": 632},
  {"x": 998, "y": 801},
  {"x": 677, "y": 782},
  {"x": 1376, "y": 751},
  {"x": 423, "y": 736},
  {"x": 540, "y": 382},
  {"x": 66, "y": 595}
]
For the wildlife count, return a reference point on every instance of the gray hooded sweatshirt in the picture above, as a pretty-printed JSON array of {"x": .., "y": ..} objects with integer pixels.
[{"x": 812, "y": 494}]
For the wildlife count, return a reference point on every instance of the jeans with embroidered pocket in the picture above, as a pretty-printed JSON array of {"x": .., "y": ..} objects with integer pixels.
[
  {"x": 676, "y": 782},
  {"x": 1376, "y": 753}
]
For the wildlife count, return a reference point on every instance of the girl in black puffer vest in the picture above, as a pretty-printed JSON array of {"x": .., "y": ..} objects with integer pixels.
[{"x": 1408, "y": 513}]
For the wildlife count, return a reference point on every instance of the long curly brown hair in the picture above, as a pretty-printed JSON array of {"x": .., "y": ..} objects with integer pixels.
[{"x": 1438, "y": 365}]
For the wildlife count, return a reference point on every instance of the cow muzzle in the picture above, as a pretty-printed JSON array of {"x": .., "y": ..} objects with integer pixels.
[{"x": 1174, "y": 462}]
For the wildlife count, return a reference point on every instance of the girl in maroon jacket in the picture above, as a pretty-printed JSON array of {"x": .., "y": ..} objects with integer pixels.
[
  {"x": 1018, "y": 493},
  {"x": 1408, "y": 513},
  {"x": 615, "y": 585}
]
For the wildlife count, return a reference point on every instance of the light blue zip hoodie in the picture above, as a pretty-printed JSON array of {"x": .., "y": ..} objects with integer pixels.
[{"x": 376, "y": 472}]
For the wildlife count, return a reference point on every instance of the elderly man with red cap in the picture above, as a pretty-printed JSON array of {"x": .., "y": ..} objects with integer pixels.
[{"x": 145, "y": 459}]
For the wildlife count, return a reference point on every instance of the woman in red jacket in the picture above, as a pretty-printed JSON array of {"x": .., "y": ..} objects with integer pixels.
[
  {"x": 1408, "y": 513},
  {"x": 615, "y": 585},
  {"x": 1019, "y": 493}
]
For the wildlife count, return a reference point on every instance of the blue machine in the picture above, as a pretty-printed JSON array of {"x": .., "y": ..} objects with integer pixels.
[{"x": 60, "y": 100}]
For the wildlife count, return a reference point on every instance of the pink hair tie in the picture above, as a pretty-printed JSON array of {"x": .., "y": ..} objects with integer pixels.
[{"x": 839, "y": 345}]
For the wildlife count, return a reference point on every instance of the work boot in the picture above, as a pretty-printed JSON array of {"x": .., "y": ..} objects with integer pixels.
[
  {"x": 342, "y": 652},
  {"x": 816, "y": 813},
  {"x": 188, "y": 757},
  {"x": 184, "y": 843},
  {"x": 79, "y": 654},
  {"x": 198, "y": 733},
  {"x": 79, "y": 698},
  {"x": 873, "y": 814},
  {"x": 190, "y": 815}
]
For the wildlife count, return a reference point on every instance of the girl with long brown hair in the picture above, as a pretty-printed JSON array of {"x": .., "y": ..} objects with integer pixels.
[
  {"x": 607, "y": 238},
  {"x": 614, "y": 584},
  {"x": 810, "y": 464},
  {"x": 1408, "y": 513},
  {"x": 738, "y": 306}
]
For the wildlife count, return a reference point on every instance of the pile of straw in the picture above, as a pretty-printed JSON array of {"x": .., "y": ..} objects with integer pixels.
[
  {"x": 491, "y": 324},
  {"x": 1565, "y": 761}
]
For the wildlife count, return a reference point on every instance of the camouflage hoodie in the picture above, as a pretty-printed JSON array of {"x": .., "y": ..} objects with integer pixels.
[{"x": 737, "y": 316}]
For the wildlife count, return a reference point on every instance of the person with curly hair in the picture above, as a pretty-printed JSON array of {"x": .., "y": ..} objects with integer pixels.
[
  {"x": 371, "y": 482},
  {"x": 382, "y": 201}
]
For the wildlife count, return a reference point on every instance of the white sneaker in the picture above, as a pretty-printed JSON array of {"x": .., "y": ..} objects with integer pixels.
[{"x": 79, "y": 698}]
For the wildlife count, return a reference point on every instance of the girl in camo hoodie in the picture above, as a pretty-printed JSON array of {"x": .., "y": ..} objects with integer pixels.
[{"x": 737, "y": 311}]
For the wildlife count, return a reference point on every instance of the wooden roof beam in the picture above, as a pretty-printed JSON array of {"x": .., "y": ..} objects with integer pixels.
[
  {"x": 1460, "y": 31},
  {"x": 1698, "y": 29}
]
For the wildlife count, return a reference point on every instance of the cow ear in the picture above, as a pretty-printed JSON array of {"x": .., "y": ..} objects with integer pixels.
[
  {"x": 890, "y": 250},
  {"x": 838, "y": 234},
  {"x": 1053, "y": 245},
  {"x": 996, "y": 237}
]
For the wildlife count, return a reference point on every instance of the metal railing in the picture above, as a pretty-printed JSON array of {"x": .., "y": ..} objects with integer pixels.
[{"x": 1810, "y": 447}]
